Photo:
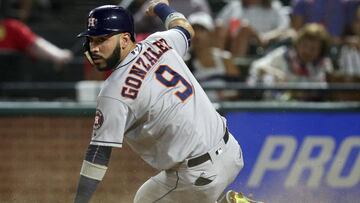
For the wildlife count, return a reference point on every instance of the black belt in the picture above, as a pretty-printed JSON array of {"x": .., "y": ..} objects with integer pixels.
[{"x": 201, "y": 159}]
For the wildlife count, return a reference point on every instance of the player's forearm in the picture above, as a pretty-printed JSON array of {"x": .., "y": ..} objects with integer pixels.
[
  {"x": 86, "y": 189},
  {"x": 91, "y": 175},
  {"x": 92, "y": 172}
]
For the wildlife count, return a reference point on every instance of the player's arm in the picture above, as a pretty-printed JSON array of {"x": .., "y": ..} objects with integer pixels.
[
  {"x": 92, "y": 171},
  {"x": 170, "y": 17}
]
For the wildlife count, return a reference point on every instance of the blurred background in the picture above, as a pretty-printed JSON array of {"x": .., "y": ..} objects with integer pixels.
[{"x": 285, "y": 74}]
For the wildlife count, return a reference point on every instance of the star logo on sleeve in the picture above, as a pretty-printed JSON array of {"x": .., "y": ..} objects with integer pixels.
[{"x": 99, "y": 119}]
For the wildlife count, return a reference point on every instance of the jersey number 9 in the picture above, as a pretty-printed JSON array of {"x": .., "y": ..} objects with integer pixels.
[{"x": 171, "y": 78}]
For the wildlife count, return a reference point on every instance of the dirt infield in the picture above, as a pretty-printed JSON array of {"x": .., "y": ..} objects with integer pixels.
[{"x": 41, "y": 159}]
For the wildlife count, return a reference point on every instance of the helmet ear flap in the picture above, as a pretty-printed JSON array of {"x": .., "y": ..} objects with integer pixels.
[{"x": 87, "y": 53}]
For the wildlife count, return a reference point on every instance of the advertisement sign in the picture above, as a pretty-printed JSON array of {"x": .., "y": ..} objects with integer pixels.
[{"x": 298, "y": 156}]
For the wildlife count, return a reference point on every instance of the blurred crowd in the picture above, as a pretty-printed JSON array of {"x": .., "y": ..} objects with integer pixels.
[{"x": 254, "y": 42}]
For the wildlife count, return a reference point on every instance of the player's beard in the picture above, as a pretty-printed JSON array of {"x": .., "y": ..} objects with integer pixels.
[{"x": 113, "y": 61}]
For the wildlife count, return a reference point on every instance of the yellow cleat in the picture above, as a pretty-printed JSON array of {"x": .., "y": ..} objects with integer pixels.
[{"x": 235, "y": 197}]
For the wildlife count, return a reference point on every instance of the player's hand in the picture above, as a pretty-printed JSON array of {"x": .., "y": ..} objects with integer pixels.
[{"x": 152, "y": 4}]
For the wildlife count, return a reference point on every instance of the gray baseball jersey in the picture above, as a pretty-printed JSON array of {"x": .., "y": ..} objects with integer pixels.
[{"x": 156, "y": 103}]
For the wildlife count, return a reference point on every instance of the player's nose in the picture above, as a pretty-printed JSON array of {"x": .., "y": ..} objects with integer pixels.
[{"x": 94, "y": 49}]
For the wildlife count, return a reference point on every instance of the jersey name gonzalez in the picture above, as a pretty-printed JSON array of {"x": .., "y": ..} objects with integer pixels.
[{"x": 141, "y": 67}]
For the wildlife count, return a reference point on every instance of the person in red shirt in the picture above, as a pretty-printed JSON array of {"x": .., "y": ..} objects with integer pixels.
[{"x": 15, "y": 36}]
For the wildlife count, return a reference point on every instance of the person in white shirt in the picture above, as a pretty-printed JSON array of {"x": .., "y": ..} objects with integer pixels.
[
  {"x": 242, "y": 23},
  {"x": 305, "y": 61},
  {"x": 210, "y": 65}
]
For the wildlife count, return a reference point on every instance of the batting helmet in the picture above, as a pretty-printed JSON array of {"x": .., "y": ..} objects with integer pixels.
[{"x": 109, "y": 19}]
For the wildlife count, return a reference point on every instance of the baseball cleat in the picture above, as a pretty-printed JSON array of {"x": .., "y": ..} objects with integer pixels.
[{"x": 238, "y": 197}]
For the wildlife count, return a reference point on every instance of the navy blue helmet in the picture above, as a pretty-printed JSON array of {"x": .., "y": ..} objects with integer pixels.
[{"x": 109, "y": 19}]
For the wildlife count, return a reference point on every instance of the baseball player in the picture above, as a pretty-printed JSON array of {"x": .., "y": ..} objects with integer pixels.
[{"x": 153, "y": 102}]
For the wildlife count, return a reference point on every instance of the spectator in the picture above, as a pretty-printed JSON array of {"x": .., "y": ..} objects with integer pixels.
[
  {"x": 210, "y": 65},
  {"x": 19, "y": 37},
  {"x": 16, "y": 37},
  {"x": 349, "y": 57},
  {"x": 305, "y": 61},
  {"x": 331, "y": 14},
  {"x": 243, "y": 23}
]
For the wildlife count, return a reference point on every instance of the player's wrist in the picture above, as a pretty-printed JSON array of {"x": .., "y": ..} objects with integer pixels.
[
  {"x": 85, "y": 190},
  {"x": 93, "y": 171},
  {"x": 167, "y": 14},
  {"x": 163, "y": 11}
]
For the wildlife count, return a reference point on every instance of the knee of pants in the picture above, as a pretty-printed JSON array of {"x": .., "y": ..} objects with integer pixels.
[
  {"x": 145, "y": 193},
  {"x": 150, "y": 191}
]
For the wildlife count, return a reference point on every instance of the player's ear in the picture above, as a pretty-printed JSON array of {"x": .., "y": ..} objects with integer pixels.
[{"x": 125, "y": 39}]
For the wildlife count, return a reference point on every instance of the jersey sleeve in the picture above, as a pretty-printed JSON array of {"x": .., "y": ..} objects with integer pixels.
[
  {"x": 177, "y": 38},
  {"x": 110, "y": 122}
]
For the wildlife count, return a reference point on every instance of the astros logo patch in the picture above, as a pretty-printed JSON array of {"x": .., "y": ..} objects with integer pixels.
[
  {"x": 99, "y": 119},
  {"x": 92, "y": 22}
]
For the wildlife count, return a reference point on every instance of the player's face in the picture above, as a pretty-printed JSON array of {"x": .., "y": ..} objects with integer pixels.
[{"x": 105, "y": 51}]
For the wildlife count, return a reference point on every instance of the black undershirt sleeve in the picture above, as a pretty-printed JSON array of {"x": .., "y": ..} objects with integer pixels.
[
  {"x": 86, "y": 189},
  {"x": 98, "y": 155}
]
